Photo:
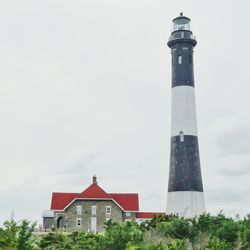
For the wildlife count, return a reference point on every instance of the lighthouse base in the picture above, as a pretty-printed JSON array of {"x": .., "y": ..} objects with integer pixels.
[{"x": 187, "y": 204}]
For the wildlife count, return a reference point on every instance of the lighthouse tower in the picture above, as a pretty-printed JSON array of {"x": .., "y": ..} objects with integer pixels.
[{"x": 185, "y": 189}]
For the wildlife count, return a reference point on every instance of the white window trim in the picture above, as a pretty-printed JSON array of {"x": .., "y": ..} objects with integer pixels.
[
  {"x": 110, "y": 210},
  {"x": 78, "y": 210},
  {"x": 93, "y": 210},
  {"x": 78, "y": 220}
]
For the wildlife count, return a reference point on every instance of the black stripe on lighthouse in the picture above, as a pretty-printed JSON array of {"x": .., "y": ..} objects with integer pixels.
[
  {"x": 185, "y": 171},
  {"x": 182, "y": 65}
]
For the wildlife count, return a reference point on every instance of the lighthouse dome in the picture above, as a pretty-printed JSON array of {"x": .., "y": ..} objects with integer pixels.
[{"x": 181, "y": 23}]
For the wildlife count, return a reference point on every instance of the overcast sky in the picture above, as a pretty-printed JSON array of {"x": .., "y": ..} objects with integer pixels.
[{"x": 85, "y": 89}]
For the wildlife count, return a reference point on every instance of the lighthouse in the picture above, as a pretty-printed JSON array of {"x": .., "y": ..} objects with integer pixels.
[{"x": 185, "y": 188}]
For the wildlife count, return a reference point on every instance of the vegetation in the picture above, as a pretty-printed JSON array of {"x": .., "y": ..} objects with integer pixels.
[{"x": 164, "y": 232}]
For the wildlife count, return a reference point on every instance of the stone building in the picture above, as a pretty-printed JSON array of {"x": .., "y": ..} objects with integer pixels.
[{"x": 90, "y": 209}]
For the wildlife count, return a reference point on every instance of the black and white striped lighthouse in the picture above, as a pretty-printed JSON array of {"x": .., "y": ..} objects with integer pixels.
[{"x": 185, "y": 189}]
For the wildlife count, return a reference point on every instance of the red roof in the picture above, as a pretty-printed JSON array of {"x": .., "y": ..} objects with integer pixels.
[
  {"x": 94, "y": 191},
  {"x": 128, "y": 202},
  {"x": 146, "y": 215},
  {"x": 60, "y": 200}
]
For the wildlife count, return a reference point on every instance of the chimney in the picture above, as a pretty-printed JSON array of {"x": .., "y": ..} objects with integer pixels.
[{"x": 94, "y": 179}]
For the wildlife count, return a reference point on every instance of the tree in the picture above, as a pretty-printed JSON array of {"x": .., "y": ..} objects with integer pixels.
[
  {"x": 25, "y": 240},
  {"x": 17, "y": 237},
  {"x": 8, "y": 235}
]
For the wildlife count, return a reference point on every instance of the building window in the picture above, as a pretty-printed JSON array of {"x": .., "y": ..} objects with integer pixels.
[
  {"x": 93, "y": 209},
  {"x": 108, "y": 209},
  {"x": 128, "y": 214},
  {"x": 179, "y": 59},
  {"x": 78, "y": 222},
  {"x": 181, "y": 136},
  {"x": 78, "y": 210}
]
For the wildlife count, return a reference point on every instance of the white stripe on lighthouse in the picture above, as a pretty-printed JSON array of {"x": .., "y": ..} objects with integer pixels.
[
  {"x": 187, "y": 204},
  {"x": 183, "y": 111}
]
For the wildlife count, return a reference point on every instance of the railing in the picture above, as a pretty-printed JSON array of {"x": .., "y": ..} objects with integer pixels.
[{"x": 180, "y": 35}]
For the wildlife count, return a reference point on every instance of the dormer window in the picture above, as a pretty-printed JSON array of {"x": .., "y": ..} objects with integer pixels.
[{"x": 179, "y": 58}]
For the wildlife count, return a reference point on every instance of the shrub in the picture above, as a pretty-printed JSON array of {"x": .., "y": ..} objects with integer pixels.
[
  {"x": 217, "y": 244},
  {"x": 8, "y": 235},
  {"x": 25, "y": 241},
  {"x": 117, "y": 236}
]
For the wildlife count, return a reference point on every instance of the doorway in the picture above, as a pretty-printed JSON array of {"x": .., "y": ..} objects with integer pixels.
[
  {"x": 60, "y": 222},
  {"x": 93, "y": 224}
]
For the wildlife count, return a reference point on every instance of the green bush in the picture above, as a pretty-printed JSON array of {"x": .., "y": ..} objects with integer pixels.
[
  {"x": 8, "y": 235},
  {"x": 229, "y": 231},
  {"x": 17, "y": 237},
  {"x": 117, "y": 236},
  {"x": 217, "y": 244},
  {"x": 172, "y": 245},
  {"x": 53, "y": 240},
  {"x": 25, "y": 240},
  {"x": 164, "y": 232}
]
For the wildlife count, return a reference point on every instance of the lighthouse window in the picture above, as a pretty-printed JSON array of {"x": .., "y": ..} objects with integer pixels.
[
  {"x": 179, "y": 59},
  {"x": 190, "y": 59},
  {"x": 181, "y": 136}
]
